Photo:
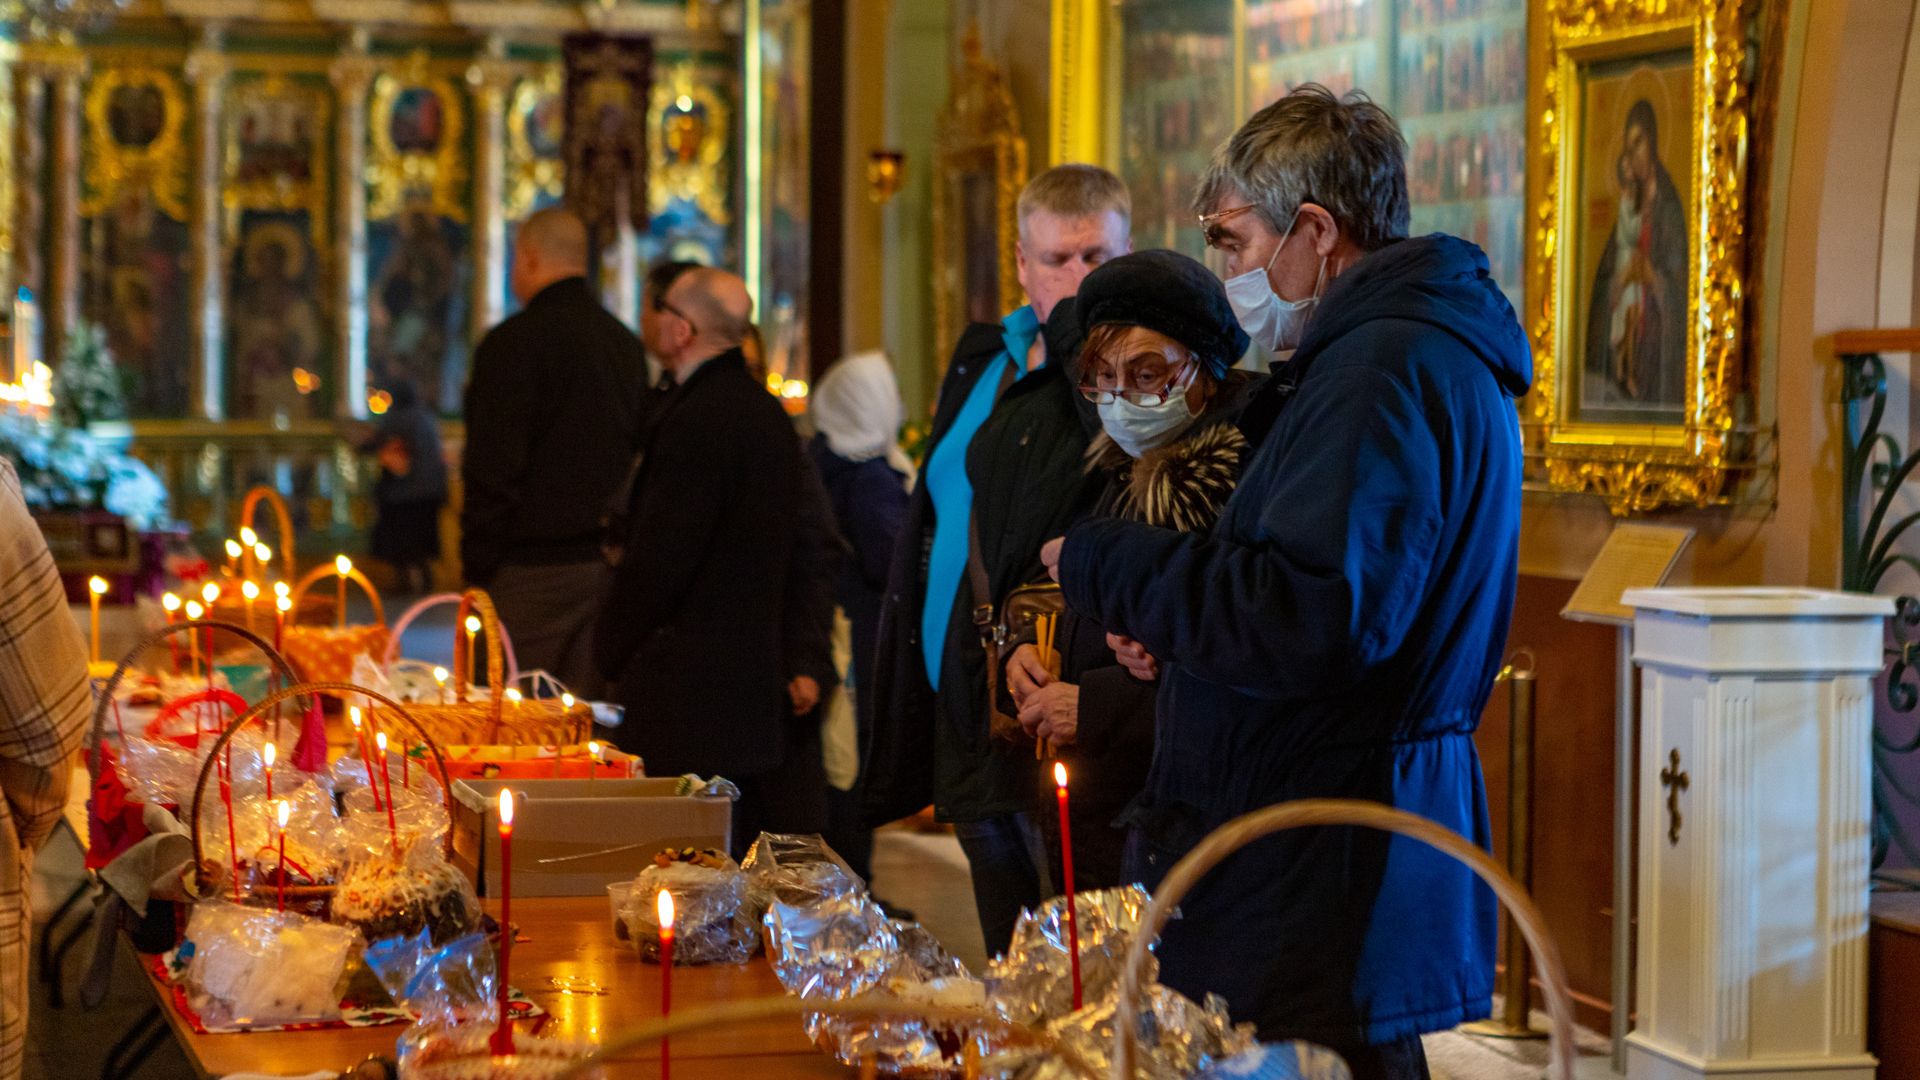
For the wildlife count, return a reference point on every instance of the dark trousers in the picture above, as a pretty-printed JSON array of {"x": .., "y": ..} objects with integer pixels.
[
  {"x": 1007, "y": 859},
  {"x": 790, "y": 799},
  {"x": 1402, "y": 1059},
  {"x": 549, "y": 612},
  {"x": 846, "y": 835}
]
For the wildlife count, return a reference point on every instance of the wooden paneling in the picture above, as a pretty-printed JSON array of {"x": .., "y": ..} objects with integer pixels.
[{"x": 1573, "y": 782}]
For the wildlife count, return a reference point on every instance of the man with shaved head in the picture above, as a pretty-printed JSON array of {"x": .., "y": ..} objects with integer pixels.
[
  {"x": 553, "y": 412},
  {"x": 694, "y": 635}
]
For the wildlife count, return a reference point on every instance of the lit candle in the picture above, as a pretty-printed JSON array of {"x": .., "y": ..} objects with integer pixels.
[
  {"x": 211, "y": 594},
  {"x": 248, "y": 537},
  {"x": 664, "y": 907},
  {"x": 440, "y": 681},
  {"x": 502, "y": 1042},
  {"x": 171, "y": 605},
  {"x": 96, "y": 588},
  {"x": 234, "y": 552},
  {"x": 366, "y": 755},
  {"x": 249, "y": 592},
  {"x": 193, "y": 641},
  {"x": 593, "y": 762},
  {"x": 393, "y": 831},
  {"x": 342, "y": 566},
  {"x": 282, "y": 589},
  {"x": 513, "y": 697},
  {"x": 1066, "y": 866},
  {"x": 280, "y": 816},
  {"x": 262, "y": 555},
  {"x": 473, "y": 627},
  {"x": 267, "y": 754},
  {"x": 281, "y": 605},
  {"x": 223, "y": 766}
]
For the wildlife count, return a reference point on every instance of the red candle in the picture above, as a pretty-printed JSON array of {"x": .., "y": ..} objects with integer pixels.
[
  {"x": 502, "y": 1042},
  {"x": 280, "y": 815},
  {"x": 171, "y": 605},
  {"x": 233, "y": 843},
  {"x": 393, "y": 831},
  {"x": 281, "y": 605},
  {"x": 1066, "y": 866},
  {"x": 267, "y": 754},
  {"x": 342, "y": 566},
  {"x": 366, "y": 755},
  {"x": 664, "y": 905}
]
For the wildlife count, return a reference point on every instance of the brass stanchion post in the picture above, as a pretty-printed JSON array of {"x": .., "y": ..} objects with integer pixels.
[{"x": 1516, "y": 987}]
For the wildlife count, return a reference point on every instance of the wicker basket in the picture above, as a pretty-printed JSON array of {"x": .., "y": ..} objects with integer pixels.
[
  {"x": 421, "y": 607},
  {"x": 493, "y": 721},
  {"x": 324, "y": 653}
]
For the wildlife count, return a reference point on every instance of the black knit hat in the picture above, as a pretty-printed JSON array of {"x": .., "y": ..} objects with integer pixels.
[{"x": 1168, "y": 292}]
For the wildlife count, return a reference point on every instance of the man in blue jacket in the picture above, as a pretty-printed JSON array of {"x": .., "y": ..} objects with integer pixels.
[{"x": 1338, "y": 633}]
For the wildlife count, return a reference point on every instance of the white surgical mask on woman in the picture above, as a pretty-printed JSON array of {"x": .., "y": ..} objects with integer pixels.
[
  {"x": 1275, "y": 323},
  {"x": 1140, "y": 428}
]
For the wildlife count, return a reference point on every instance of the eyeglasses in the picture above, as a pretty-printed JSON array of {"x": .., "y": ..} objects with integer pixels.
[
  {"x": 667, "y": 306},
  {"x": 1210, "y": 223},
  {"x": 1146, "y": 398}
]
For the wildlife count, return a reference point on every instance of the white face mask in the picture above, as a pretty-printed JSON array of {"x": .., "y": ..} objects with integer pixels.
[
  {"x": 1275, "y": 323},
  {"x": 1140, "y": 428}
]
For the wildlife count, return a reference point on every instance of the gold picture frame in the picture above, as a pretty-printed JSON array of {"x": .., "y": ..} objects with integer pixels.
[
  {"x": 536, "y": 159},
  {"x": 688, "y": 134},
  {"x": 266, "y": 120},
  {"x": 135, "y": 116},
  {"x": 1640, "y": 257},
  {"x": 416, "y": 126},
  {"x": 982, "y": 165}
]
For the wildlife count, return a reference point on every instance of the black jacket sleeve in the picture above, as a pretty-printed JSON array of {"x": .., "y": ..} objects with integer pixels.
[
  {"x": 808, "y": 612},
  {"x": 502, "y": 397}
]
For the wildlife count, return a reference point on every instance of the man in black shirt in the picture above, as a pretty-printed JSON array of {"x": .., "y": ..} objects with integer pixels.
[{"x": 552, "y": 412}]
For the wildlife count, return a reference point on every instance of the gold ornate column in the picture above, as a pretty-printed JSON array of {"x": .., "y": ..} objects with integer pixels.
[
  {"x": 207, "y": 69},
  {"x": 491, "y": 78},
  {"x": 352, "y": 73},
  {"x": 29, "y": 206},
  {"x": 1083, "y": 31},
  {"x": 68, "y": 70}
]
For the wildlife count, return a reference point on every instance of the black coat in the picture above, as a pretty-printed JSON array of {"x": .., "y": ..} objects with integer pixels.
[
  {"x": 695, "y": 633},
  {"x": 869, "y": 504},
  {"x": 552, "y": 413},
  {"x": 1337, "y": 635},
  {"x": 898, "y": 712}
]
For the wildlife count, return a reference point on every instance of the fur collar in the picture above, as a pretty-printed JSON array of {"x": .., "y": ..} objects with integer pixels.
[{"x": 1180, "y": 486}]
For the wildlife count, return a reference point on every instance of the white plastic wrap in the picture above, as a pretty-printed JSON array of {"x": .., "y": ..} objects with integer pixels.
[
  {"x": 251, "y": 966},
  {"x": 796, "y": 870},
  {"x": 711, "y": 921},
  {"x": 386, "y": 897}
]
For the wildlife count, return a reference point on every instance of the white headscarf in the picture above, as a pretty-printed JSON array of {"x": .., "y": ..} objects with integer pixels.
[{"x": 857, "y": 407}]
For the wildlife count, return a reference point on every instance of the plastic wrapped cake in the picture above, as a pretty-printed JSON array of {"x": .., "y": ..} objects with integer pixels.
[
  {"x": 387, "y": 897},
  {"x": 250, "y": 966},
  {"x": 712, "y": 923}
]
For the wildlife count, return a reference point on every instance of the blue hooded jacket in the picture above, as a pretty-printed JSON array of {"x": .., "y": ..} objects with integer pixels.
[{"x": 1337, "y": 635}]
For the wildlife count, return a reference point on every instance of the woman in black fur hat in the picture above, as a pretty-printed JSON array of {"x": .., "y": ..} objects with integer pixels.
[{"x": 1161, "y": 340}]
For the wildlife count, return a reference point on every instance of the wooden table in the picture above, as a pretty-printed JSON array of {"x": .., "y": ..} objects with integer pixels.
[{"x": 564, "y": 942}]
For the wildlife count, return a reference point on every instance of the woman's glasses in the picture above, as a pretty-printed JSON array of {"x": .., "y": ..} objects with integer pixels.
[{"x": 1100, "y": 395}]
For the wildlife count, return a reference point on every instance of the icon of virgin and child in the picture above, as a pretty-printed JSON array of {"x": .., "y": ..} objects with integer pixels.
[{"x": 1636, "y": 342}]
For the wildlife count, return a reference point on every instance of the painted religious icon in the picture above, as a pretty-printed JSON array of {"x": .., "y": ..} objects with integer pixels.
[
  {"x": 416, "y": 125},
  {"x": 1636, "y": 184},
  {"x": 274, "y": 138},
  {"x": 414, "y": 305},
  {"x": 136, "y": 114},
  {"x": 275, "y": 324}
]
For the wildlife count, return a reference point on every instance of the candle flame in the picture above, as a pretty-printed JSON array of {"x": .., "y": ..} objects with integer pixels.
[
  {"x": 664, "y": 906},
  {"x": 1060, "y": 774},
  {"x": 380, "y": 741},
  {"x": 473, "y": 624},
  {"x": 506, "y": 808},
  {"x": 210, "y": 592},
  {"x": 440, "y": 675},
  {"x": 566, "y": 701},
  {"x": 284, "y": 604},
  {"x": 98, "y": 585},
  {"x": 353, "y": 714},
  {"x": 248, "y": 536},
  {"x": 194, "y": 609},
  {"x": 170, "y": 602},
  {"x": 280, "y": 811},
  {"x": 342, "y": 565},
  {"x": 594, "y": 749},
  {"x": 281, "y": 588},
  {"x": 249, "y": 590},
  {"x": 268, "y": 753},
  {"x": 233, "y": 548},
  {"x": 263, "y": 553},
  {"x": 513, "y": 695}
]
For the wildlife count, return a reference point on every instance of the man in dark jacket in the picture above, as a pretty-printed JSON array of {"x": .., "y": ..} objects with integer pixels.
[
  {"x": 694, "y": 634},
  {"x": 1338, "y": 632},
  {"x": 931, "y": 741},
  {"x": 552, "y": 411}
]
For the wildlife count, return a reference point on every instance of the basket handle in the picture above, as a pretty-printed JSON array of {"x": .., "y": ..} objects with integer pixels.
[
  {"x": 234, "y": 702},
  {"x": 103, "y": 700},
  {"x": 283, "y": 519},
  {"x": 477, "y": 602},
  {"x": 313, "y": 576},
  {"x": 332, "y": 689},
  {"x": 420, "y": 607},
  {"x": 1303, "y": 813}
]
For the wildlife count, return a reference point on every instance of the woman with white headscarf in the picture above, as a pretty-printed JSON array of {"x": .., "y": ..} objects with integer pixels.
[{"x": 856, "y": 410}]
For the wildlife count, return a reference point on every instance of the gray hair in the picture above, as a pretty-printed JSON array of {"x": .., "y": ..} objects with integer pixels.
[{"x": 1343, "y": 154}]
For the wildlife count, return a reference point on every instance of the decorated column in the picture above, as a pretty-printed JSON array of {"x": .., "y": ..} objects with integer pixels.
[
  {"x": 67, "y": 69},
  {"x": 28, "y": 211},
  {"x": 491, "y": 78},
  {"x": 207, "y": 69},
  {"x": 352, "y": 74}
]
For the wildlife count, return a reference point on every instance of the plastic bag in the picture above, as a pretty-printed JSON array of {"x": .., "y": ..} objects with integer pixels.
[
  {"x": 796, "y": 870},
  {"x": 445, "y": 984},
  {"x": 251, "y": 966},
  {"x": 419, "y": 818},
  {"x": 386, "y": 897},
  {"x": 711, "y": 921}
]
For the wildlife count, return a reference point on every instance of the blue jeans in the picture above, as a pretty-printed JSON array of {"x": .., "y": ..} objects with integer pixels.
[{"x": 1007, "y": 857}]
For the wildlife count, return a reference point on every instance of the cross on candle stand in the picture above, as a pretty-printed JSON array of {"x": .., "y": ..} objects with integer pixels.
[{"x": 1675, "y": 780}]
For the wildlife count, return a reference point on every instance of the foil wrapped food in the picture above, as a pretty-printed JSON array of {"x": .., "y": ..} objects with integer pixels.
[
  {"x": 1175, "y": 1039},
  {"x": 1032, "y": 982},
  {"x": 796, "y": 870},
  {"x": 844, "y": 947}
]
